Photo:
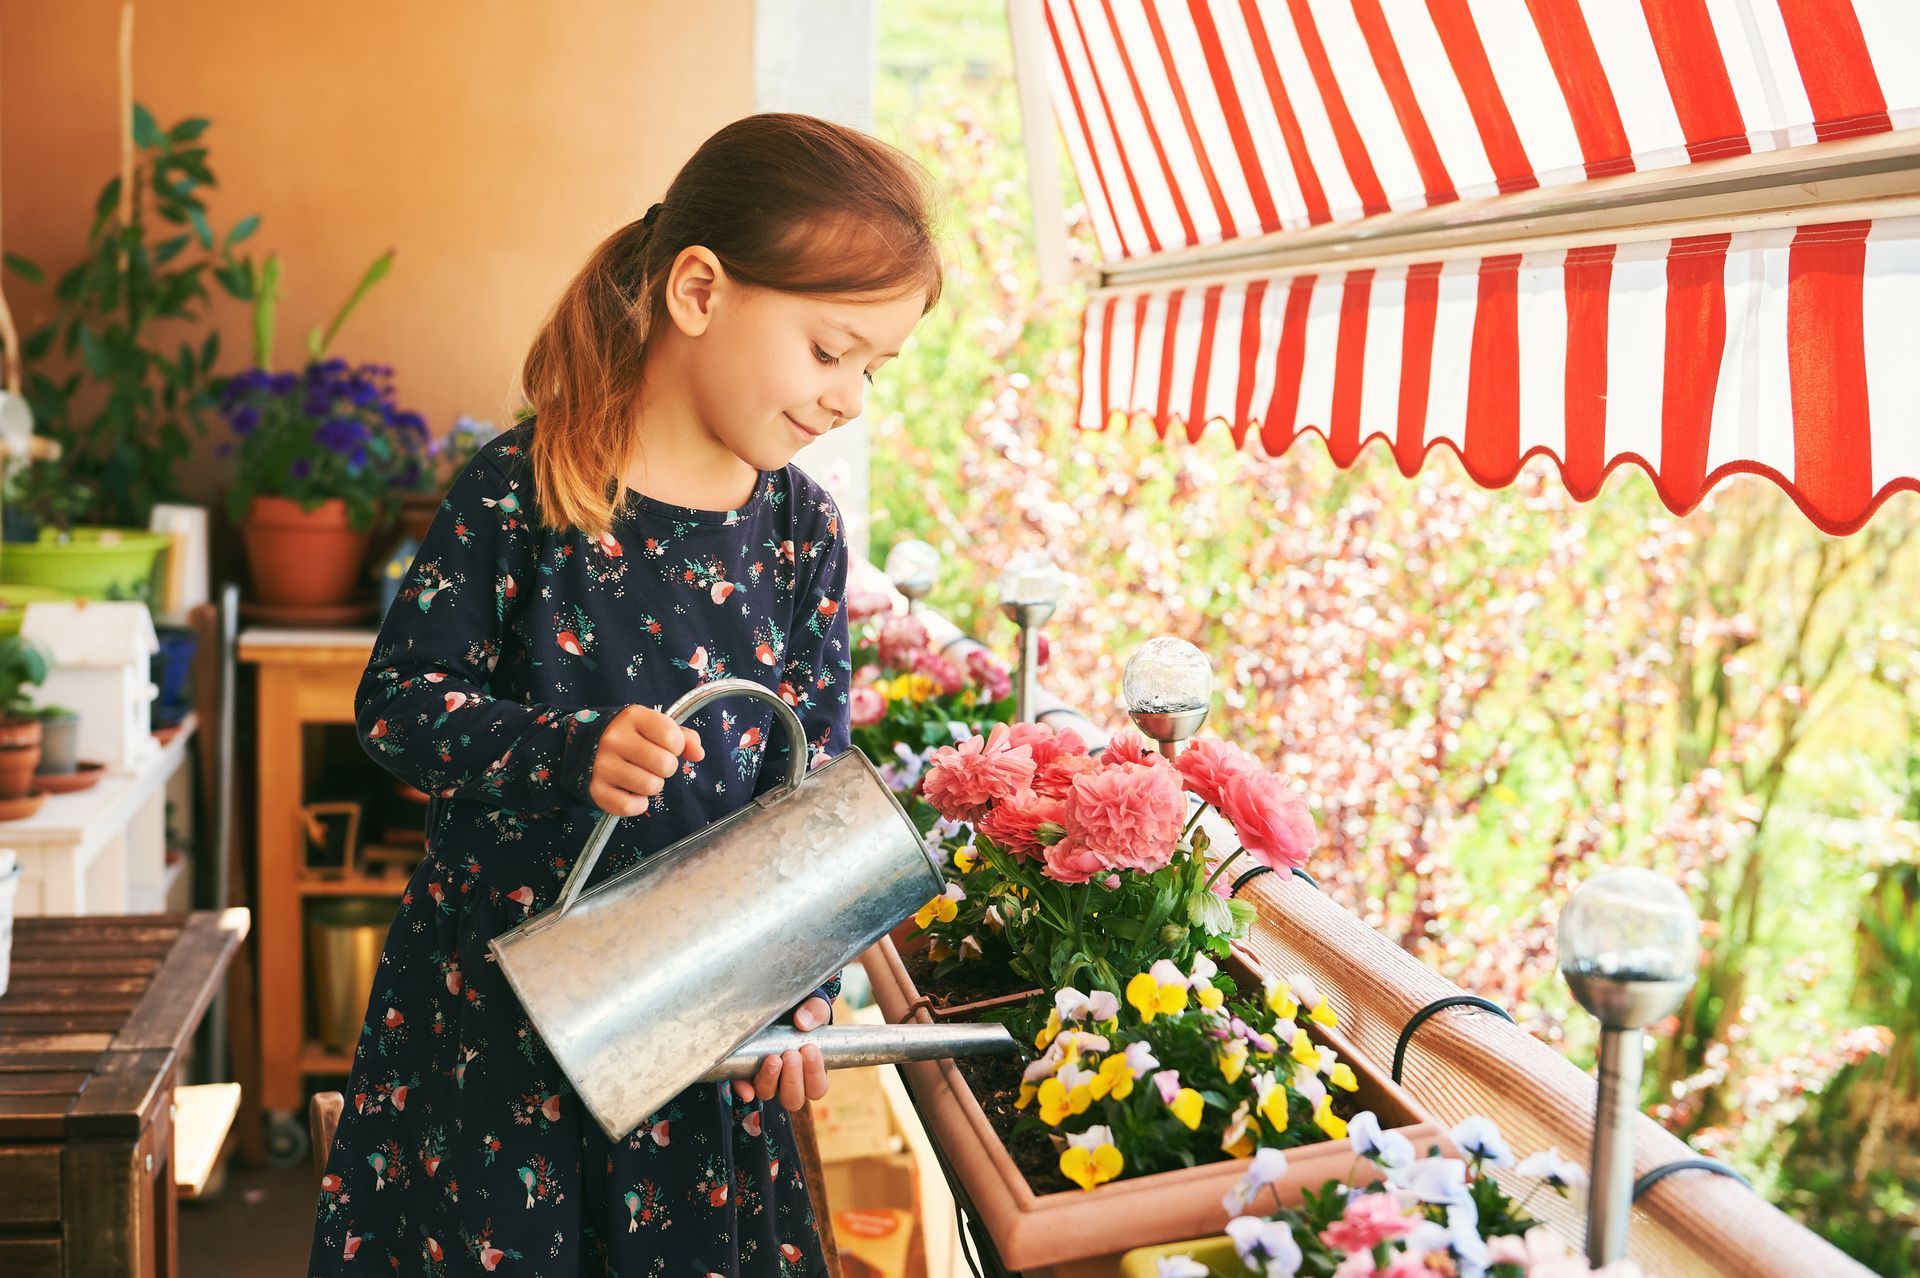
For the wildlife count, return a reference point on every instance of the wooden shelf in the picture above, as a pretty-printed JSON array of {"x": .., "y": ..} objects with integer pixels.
[
  {"x": 316, "y": 1059},
  {"x": 357, "y": 885}
]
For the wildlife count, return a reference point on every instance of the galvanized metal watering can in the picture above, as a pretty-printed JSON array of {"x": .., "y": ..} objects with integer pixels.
[{"x": 664, "y": 975}]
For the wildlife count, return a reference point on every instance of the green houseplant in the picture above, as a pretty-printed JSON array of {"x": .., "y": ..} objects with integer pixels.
[
  {"x": 320, "y": 453},
  {"x": 105, "y": 378},
  {"x": 23, "y": 664}
]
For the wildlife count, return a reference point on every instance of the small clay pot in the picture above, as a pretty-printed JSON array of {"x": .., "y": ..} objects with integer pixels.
[
  {"x": 305, "y": 557},
  {"x": 59, "y": 742},
  {"x": 19, "y": 756}
]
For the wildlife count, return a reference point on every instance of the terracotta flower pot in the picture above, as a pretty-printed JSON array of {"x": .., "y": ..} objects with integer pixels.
[
  {"x": 19, "y": 756},
  {"x": 1076, "y": 1234},
  {"x": 305, "y": 558}
]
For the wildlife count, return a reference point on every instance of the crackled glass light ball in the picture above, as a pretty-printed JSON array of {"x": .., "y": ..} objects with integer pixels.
[
  {"x": 1630, "y": 928},
  {"x": 1167, "y": 676},
  {"x": 1031, "y": 577},
  {"x": 912, "y": 567}
]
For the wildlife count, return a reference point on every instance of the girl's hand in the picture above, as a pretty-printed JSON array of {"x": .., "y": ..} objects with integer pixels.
[
  {"x": 640, "y": 749},
  {"x": 795, "y": 1077}
]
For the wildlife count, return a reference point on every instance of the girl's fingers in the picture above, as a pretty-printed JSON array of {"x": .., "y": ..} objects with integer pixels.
[
  {"x": 620, "y": 803},
  {"x": 691, "y": 749},
  {"x": 815, "y": 1071},
  {"x": 743, "y": 1089},
  {"x": 640, "y": 752},
  {"x": 623, "y": 774},
  {"x": 767, "y": 1081},
  {"x": 793, "y": 1080}
]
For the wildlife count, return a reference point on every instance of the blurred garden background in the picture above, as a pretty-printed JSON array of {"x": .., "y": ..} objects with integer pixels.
[{"x": 1485, "y": 695}]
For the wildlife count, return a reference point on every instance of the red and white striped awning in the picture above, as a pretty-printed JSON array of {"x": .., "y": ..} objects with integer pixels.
[{"x": 1791, "y": 351}]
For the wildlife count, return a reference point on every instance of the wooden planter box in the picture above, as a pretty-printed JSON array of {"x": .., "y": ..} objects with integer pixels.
[{"x": 1076, "y": 1234}]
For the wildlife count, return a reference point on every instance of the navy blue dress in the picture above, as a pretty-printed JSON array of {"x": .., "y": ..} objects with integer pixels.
[{"x": 462, "y": 1149}]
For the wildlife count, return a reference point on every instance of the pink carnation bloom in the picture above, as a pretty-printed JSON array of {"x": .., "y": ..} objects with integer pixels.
[
  {"x": 901, "y": 637},
  {"x": 1370, "y": 1219},
  {"x": 1130, "y": 815},
  {"x": 1208, "y": 763},
  {"x": 862, "y": 604},
  {"x": 1070, "y": 861},
  {"x": 945, "y": 675},
  {"x": 1130, "y": 747},
  {"x": 1015, "y": 824},
  {"x": 1049, "y": 744},
  {"x": 993, "y": 679},
  {"x": 867, "y": 705},
  {"x": 963, "y": 782},
  {"x": 1056, "y": 779},
  {"x": 1272, "y": 821}
]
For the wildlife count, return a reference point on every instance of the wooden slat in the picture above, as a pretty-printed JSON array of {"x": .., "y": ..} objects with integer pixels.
[
  {"x": 186, "y": 984},
  {"x": 34, "y": 1117},
  {"x": 122, "y": 1097},
  {"x": 130, "y": 965},
  {"x": 104, "y": 1211},
  {"x": 39, "y": 1082},
  {"x": 33, "y": 1045},
  {"x": 68, "y": 985},
  {"x": 202, "y": 1120},
  {"x": 29, "y": 1186},
  {"x": 36, "y": 1022},
  {"x": 30, "y": 1258}
]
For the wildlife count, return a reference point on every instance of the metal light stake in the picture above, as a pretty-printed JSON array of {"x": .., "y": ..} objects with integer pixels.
[
  {"x": 1629, "y": 948},
  {"x": 1168, "y": 689},
  {"x": 1030, "y": 588},
  {"x": 912, "y": 567}
]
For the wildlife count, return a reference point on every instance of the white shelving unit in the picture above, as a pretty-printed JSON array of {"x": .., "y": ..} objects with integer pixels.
[{"x": 103, "y": 850}]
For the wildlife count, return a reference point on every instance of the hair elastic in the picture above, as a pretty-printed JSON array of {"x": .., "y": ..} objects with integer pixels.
[{"x": 652, "y": 215}]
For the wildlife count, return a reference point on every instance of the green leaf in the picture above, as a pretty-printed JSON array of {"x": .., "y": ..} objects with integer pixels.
[
  {"x": 93, "y": 352},
  {"x": 25, "y": 269},
  {"x": 210, "y": 350},
  {"x": 37, "y": 346},
  {"x": 166, "y": 250},
  {"x": 1209, "y": 913},
  {"x": 108, "y": 201},
  {"x": 245, "y": 227},
  {"x": 146, "y": 133},
  {"x": 200, "y": 227},
  {"x": 189, "y": 130},
  {"x": 266, "y": 299},
  {"x": 375, "y": 273}
]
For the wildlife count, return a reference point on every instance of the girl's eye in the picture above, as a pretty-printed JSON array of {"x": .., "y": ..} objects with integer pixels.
[{"x": 825, "y": 358}]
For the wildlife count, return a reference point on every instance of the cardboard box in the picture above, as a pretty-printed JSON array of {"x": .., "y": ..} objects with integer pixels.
[
  {"x": 874, "y": 1244},
  {"x": 854, "y": 1120}
]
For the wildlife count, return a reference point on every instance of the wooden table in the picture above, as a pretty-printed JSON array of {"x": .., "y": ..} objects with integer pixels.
[{"x": 97, "y": 1014}]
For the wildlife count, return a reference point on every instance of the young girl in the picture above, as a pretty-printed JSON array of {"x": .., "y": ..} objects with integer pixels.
[{"x": 645, "y": 532}]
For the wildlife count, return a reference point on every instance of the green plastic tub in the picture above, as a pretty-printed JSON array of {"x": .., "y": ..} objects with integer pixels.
[
  {"x": 14, "y": 600},
  {"x": 94, "y": 563}
]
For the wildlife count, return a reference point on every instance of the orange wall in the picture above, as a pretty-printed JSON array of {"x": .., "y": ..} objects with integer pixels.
[{"x": 493, "y": 143}]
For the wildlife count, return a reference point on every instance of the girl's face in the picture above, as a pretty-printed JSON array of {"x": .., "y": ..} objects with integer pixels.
[{"x": 769, "y": 372}]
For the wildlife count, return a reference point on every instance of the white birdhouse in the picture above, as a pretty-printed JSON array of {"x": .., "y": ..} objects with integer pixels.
[{"x": 100, "y": 666}]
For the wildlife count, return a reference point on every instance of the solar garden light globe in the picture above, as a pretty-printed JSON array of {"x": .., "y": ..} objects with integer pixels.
[
  {"x": 1629, "y": 948},
  {"x": 1168, "y": 688},
  {"x": 913, "y": 566},
  {"x": 1030, "y": 588}
]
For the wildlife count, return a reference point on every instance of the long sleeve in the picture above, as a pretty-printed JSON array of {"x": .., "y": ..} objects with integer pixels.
[
  {"x": 818, "y": 671},
  {"x": 424, "y": 709}
]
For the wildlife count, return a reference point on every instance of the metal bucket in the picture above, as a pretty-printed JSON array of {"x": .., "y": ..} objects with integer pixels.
[
  {"x": 344, "y": 940},
  {"x": 652, "y": 979}
]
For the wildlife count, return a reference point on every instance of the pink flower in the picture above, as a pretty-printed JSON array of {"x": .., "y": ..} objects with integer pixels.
[
  {"x": 1370, "y": 1219},
  {"x": 945, "y": 675},
  {"x": 1208, "y": 763},
  {"x": 901, "y": 638},
  {"x": 1130, "y": 747},
  {"x": 862, "y": 604},
  {"x": 867, "y": 704},
  {"x": 1130, "y": 815},
  {"x": 1048, "y": 743},
  {"x": 1015, "y": 824},
  {"x": 1056, "y": 779},
  {"x": 963, "y": 782},
  {"x": 1272, "y": 821},
  {"x": 995, "y": 682},
  {"x": 1069, "y": 861}
]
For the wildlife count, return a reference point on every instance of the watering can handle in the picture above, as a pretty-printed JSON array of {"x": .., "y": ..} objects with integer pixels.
[{"x": 680, "y": 711}]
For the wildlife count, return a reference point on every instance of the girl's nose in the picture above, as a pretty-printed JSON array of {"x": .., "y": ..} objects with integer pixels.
[{"x": 844, "y": 403}]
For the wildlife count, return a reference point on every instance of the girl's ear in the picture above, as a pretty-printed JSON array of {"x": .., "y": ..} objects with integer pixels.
[{"x": 694, "y": 284}]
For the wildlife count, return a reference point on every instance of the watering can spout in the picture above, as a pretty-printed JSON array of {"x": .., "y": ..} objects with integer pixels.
[{"x": 853, "y": 1046}]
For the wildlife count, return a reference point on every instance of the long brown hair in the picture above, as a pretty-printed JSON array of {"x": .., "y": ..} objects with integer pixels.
[{"x": 786, "y": 202}]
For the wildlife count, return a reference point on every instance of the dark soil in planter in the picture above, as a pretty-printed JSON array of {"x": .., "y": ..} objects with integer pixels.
[
  {"x": 968, "y": 983},
  {"x": 995, "y": 1081}
]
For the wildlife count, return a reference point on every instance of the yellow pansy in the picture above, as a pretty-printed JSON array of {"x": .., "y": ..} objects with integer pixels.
[
  {"x": 1233, "y": 1061},
  {"x": 965, "y": 859},
  {"x": 1327, "y": 1121},
  {"x": 1342, "y": 1077},
  {"x": 938, "y": 949},
  {"x": 1151, "y": 998},
  {"x": 1303, "y": 1049},
  {"x": 1240, "y": 1148},
  {"x": 1058, "y": 1101},
  {"x": 1091, "y": 1159},
  {"x": 1273, "y": 1106},
  {"x": 1236, "y": 1140},
  {"x": 1027, "y": 1092},
  {"x": 1209, "y": 997},
  {"x": 1186, "y": 1107},
  {"x": 1280, "y": 999},
  {"x": 943, "y": 908},
  {"x": 1048, "y": 1032},
  {"x": 1322, "y": 1014},
  {"x": 1114, "y": 1078}
]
